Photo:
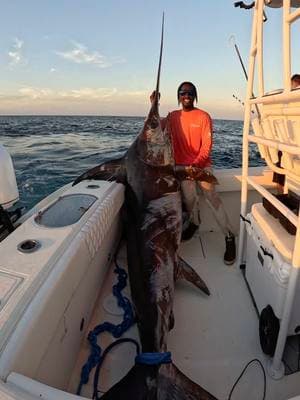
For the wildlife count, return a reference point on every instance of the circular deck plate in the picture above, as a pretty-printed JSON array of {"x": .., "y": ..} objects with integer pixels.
[{"x": 110, "y": 305}]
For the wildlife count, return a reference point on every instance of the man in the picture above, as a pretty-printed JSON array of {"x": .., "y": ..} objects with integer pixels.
[
  {"x": 191, "y": 133},
  {"x": 295, "y": 81}
]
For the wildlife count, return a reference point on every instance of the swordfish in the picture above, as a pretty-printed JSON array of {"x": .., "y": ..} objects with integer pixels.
[{"x": 153, "y": 225}]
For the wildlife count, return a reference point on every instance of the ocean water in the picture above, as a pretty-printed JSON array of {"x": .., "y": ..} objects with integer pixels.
[{"x": 49, "y": 152}]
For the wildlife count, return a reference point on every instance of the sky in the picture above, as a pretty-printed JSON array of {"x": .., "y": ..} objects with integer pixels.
[{"x": 96, "y": 57}]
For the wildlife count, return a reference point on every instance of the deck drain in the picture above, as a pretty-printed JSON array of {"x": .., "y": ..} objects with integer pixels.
[{"x": 29, "y": 246}]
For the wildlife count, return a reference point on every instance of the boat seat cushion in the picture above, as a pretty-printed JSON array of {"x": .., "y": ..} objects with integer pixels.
[{"x": 281, "y": 239}]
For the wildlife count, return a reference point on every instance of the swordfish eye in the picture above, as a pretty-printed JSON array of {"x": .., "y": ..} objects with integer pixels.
[{"x": 154, "y": 124}]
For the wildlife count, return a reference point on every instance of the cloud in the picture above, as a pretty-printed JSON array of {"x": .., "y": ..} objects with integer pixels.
[
  {"x": 78, "y": 101},
  {"x": 89, "y": 93},
  {"x": 35, "y": 93},
  {"x": 84, "y": 94},
  {"x": 53, "y": 69},
  {"x": 81, "y": 55},
  {"x": 33, "y": 100},
  {"x": 15, "y": 54}
]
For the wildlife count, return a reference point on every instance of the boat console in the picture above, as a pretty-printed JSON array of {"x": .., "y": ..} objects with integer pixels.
[{"x": 9, "y": 194}]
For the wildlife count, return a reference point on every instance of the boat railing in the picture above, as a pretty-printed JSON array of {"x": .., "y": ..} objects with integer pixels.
[
  {"x": 277, "y": 125},
  {"x": 276, "y": 128}
]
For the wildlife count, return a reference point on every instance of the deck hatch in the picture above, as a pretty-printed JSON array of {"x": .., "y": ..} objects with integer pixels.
[
  {"x": 8, "y": 284},
  {"x": 67, "y": 210}
]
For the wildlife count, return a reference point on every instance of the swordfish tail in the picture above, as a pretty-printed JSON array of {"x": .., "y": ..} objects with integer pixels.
[{"x": 152, "y": 382}]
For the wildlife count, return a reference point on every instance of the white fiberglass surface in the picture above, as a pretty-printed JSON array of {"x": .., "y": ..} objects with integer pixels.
[{"x": 214, "y": 336}]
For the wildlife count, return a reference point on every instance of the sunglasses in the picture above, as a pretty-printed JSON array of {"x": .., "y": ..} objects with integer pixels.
[{"x": 187, "y": 93}]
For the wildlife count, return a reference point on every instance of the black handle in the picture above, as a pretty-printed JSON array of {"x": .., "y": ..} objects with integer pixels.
[
  {"x": 266, "y": 253},
  {"x": 245, "y": 219}
]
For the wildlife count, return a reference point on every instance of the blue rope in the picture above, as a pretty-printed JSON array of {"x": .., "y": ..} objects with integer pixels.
[
  {"x": 115, "y": 330},
  {"x": 153, "y": 358}
]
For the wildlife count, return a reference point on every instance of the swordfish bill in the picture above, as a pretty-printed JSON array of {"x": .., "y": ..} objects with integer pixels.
[{"x": 153, "y": 227}]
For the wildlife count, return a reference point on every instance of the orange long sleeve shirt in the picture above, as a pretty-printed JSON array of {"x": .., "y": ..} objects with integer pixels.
[{"x": 191, "y": 133}]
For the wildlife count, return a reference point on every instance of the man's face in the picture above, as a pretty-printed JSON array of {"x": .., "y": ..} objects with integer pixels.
[
  {"x": 187, "y": 96},
  {"x": 294, "y": 84}
]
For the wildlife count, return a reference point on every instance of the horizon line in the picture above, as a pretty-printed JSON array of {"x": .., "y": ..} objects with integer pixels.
[{"x": 94, "y": 115}]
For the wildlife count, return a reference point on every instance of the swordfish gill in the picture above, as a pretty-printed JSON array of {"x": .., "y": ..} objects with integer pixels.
[{"x": 153, "y": 229}]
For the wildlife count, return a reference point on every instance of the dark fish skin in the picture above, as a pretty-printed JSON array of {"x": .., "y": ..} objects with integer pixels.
[{"x": 167, "y": 382}]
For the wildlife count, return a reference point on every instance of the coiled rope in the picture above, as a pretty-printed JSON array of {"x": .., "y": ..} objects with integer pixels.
[{"x": 115, "y": 330}]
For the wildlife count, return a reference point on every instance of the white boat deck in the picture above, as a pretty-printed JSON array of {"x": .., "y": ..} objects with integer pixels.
[
  {"x": 226, "y": 324},
  {"x": 214, "y": 337}
]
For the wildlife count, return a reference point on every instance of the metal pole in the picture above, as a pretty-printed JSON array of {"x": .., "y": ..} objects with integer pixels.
[
  {"x": 245, "y": 156},
  {"x": 244, "y": 70}
]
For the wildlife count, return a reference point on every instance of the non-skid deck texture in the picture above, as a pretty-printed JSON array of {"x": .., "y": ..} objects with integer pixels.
[{"x": 214, "y": 336}]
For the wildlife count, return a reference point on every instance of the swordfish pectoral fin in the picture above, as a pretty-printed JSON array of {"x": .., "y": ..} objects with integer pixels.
[
  {"x": 185, "y": 271},
  {"x": 112, "y": 170}
]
